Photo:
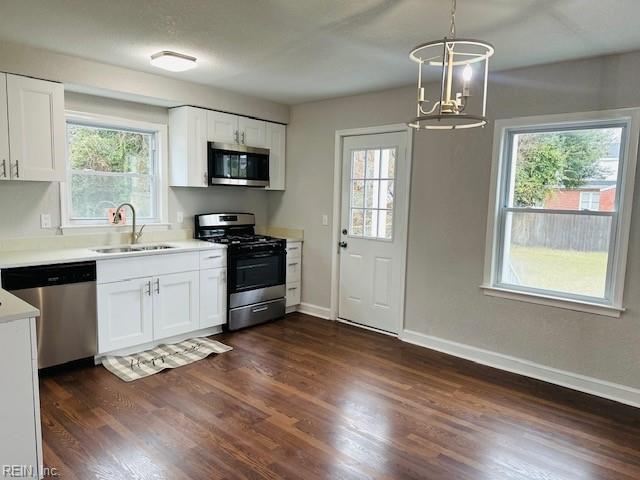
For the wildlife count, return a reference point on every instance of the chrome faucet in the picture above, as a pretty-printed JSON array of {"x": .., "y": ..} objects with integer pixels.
[{"x": 135, "y": 235}]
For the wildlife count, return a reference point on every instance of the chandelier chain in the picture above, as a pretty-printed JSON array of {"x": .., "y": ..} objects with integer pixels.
[{"x": 452, "y": 29}]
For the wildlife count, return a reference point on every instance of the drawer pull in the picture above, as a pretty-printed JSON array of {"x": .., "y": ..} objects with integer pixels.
[
  {"x": 293, "y": 264},
  {"x": 292, "y": 288},
  {"x": 293, "y": 248},
  {"x": 260, "y": 309},
  {"x": 214, "y": 256}
]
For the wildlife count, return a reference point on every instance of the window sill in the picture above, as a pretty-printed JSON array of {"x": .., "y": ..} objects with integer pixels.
[
  {"x": 87, "y": 229},
  {"x": 551, "y": 301}
]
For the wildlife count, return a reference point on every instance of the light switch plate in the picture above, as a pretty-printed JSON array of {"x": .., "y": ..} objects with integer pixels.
[
  {"x": 45, "y": 220},
  {"x": 325, "y": 220}
]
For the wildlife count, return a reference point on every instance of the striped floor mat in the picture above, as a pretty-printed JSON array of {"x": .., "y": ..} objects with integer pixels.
[{"x": 149, "y": 362}]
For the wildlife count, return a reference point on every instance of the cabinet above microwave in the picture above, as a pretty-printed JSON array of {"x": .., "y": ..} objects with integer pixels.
[{"x": 191, "y": 129}]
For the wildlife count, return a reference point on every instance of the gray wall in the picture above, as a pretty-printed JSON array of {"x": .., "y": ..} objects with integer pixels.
[
  {"x": 448, "y": 214},
  {"x": 23, "y": 202}
]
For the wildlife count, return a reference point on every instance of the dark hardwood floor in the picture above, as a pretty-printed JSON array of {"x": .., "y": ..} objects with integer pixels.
[{"x": 304, "y": 398}]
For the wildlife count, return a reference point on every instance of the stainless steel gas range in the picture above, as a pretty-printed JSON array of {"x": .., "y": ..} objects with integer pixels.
[{"x": 256, "y": 267}]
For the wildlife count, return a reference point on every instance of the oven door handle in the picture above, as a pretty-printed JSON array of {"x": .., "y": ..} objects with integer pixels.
[{"x": 263, "y": 255}]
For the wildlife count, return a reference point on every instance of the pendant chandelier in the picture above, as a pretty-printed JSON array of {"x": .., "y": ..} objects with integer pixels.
[{"x": 456, "y": 62}]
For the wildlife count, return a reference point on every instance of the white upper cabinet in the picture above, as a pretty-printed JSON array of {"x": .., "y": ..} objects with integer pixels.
[
  {"x": 188, "y": 147},
  {"x": 222, "y": 127},
  {"x": 190, "y": 129},
  {"x": 276, "y": 142},
  {"x": 5, "y": 167},
  {"x": 35, "y": 112},
  {"x": 252, "y": 132}
]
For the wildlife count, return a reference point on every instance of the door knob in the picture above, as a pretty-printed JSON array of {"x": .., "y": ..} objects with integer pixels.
[
  {"x": 344, "y": 231},
  {"x": 343, "y": 244}
]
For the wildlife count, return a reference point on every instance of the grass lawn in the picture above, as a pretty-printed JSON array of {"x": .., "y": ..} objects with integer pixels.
[{"x": 581, "y": 273}]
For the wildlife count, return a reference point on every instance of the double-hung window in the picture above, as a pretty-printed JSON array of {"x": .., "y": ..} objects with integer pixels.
[
  {"x": 109, "y": 162},
  {"x": 560, "y": 209}
]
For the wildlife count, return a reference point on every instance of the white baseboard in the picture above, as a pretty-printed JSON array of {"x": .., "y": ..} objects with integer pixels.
[
  {"x": 315, "y": 310},
  {"x": 582, "y": 383}
]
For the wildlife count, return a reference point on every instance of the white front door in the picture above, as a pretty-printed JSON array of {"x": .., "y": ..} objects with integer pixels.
[{"x": 373, "y": 233}]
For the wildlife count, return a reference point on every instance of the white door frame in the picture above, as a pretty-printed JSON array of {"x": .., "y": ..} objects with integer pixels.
[{"x": 337, "y": 210}]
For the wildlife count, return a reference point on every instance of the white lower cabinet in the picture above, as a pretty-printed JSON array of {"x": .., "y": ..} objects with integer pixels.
[
  {"x": 175, "y": 304},
  {"x": 176, "y": 294},
  {"x": 20, "y": 434},
  {"x": 213, "y": 297},
  {"x": 125, "y": 314},
  {"x": 294, "y": 273}
]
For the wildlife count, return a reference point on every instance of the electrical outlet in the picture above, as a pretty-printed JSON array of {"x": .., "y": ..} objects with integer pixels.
[
  {"x": 325, "y": 220},
  {"x": 45, "y": 220},
  {"x": 180, "y": 217}
]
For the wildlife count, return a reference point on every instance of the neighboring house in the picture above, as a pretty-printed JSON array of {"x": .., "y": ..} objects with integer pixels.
[
  {"x": 596, "y": 194},
  {"x": 590, "y": 197}
]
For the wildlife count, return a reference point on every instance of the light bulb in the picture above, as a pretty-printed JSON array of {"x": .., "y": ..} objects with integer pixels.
[{"x": 467, "y": 73}]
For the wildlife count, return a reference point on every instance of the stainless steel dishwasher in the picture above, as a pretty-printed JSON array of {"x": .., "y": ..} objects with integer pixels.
[{"x": 65, "y": 294}]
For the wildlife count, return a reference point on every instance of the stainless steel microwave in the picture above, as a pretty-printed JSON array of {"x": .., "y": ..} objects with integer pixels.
[{"x": 238, "y": 165}]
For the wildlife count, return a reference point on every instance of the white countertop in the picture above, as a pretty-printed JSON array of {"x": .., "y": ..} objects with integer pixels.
[
  {"x": 12, "y": 308},
  {"x": 25, "y": 258}
]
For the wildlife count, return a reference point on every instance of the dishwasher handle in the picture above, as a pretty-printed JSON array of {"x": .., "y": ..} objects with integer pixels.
[{"x": 48, "y": 275}]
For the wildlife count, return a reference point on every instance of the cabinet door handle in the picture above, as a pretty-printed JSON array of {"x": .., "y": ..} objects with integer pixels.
[
  {"x": 236, "y": 136},
  {"x": 158, "y": 286},
  {"x": 148, "y": 289},
  {"x": 4, "y": 168},
  {"x": 205, "y": 178},
  {"x": 17, "y": 169},
  {"x": 243, "y": 138}
]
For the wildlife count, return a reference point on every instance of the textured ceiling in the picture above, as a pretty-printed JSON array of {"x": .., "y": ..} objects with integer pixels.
[{"x": 299, "y": 50}]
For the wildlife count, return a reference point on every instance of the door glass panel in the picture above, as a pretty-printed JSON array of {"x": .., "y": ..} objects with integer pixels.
[
  {"x": 371, "y": 223},
  {"x": 357, "y": 193},
  {"x": 385, "y": 224},
  {"x": 388, "y": 163},
  {"x": 357, "y": 222},
  {"x": 386, "y": 194},
  {"x": 357, "y": 164},
  {"x": 373, "y": 164},
  {"x": 372, "y": 187}
]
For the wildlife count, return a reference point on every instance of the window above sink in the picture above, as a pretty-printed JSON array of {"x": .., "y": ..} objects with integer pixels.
[{"x": 112, "y": 160}]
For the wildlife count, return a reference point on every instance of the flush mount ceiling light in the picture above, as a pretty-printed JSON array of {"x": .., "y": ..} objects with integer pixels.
[
  {"x": 172, "y": 61},
  {"x": 455, "y": 61}
]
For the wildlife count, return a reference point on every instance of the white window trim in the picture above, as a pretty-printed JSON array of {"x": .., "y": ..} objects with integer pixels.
[
  {"x": 163, "y": 165},
  {"x": 619, "y": 262}
]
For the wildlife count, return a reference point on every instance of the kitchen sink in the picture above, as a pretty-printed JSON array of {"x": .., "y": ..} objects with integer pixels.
[
  {"x": 132, "y": 248},
  {"x": 151, "y": 247}
]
